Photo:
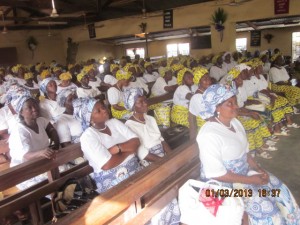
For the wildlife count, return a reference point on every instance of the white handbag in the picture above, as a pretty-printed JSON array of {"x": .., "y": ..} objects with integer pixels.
[{"x": 193, "y": 211}]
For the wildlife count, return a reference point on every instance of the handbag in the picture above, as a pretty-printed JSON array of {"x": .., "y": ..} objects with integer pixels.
[{"x": 194, "y": 208}]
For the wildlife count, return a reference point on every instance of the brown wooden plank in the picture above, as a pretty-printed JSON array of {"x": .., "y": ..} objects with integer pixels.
[
  {"x": 108, "y": 206},
  {"x": 26, "y": 170}
]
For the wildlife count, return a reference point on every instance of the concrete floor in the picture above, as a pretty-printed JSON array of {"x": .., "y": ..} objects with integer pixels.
[{"x": 285, "y": 163}]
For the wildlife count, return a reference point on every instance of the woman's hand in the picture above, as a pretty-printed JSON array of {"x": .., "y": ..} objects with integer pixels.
[
  {"x": 114, "y": 150},
  {"x": 255, "y": 115},
  {"x": 48, "y": 153},
  {"x": 259, "y": 179}
]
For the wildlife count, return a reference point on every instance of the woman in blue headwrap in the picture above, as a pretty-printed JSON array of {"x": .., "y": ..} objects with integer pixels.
[
  {"x": 29, "y": 139},
  {"x": 107, "y": 144},
  {"x": 224, "y": 157},
  {"x": 49, "y": 107},
  {"x": 152, "y": 147}
]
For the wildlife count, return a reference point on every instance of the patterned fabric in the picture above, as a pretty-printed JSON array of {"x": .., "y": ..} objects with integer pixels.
[
  {"x": 19, "y": 102},
  {"x": 44, "y": 83},
  {"x": 156, "y": 150},
  {"x": 62, "y": 96},
  {"x": 113, "y": 66},
  {"x": 162, "y": 114},
  {"x": 280, "y": 109},
  {"x": 16, "y": 68},
  {"x": 265, "y": 210},
  {"x": 88, "y": 68},
  {"x": 198, "y": 74},
  {"x": 181, "y": 74},
  {"x": 200, "y": 122},
  {"x": 121, "y": 75},
  {"x": 45, "y": 74},
  {"x": 27, "y": 76},
  {"x": 107, "y": 179},
  {"x": 214, "y": 95},
  {"x": 180, "y": 115},
  {"x": 164, "y": 70},
  {"x": 120, "y": 114},
  {"x": 80, "y": 76},
  {"x": 130, "y": 96},
  {"x": 275, "y": 56},
  {"x": 147, "y": 64},
  {"x": 256, "y": 130},
  {"x": 83, "y": 108},
  {"x": 65, "y": 76},
  {"x": 291, "y": 93}
]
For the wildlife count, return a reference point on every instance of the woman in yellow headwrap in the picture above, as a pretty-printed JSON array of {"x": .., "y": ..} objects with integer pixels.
[
  {"x": 30, "y": 84},
  {"x": 115, "y": 96},
  {"x": 65, "y": 82},
  {"x": 149, "y": 74},
  {"x": 181, "y": 98},
  {"x": 110, "y": 79},
  {"x": 280, "y": 82},
  {"x": 94, "y": 81},
  {"x": 85, "y": 90},
  {"x": 217, "y": 72},
  {"x": 203, "y": 80}
]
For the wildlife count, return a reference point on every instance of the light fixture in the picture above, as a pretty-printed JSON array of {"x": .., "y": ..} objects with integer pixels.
[
  {"x": 54, "y": 12},
  {"x": 4, "y": 31}
]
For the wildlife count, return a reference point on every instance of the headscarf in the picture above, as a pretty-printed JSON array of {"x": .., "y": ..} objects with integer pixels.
[
  {"x": 275, "y": 56},
  {"x": 65, "y": 76},
  {"x": 113, "y": 66},
  {"x": 28, "y": 75},
  {"x": 83, "y": 108},
  {"x": 254, "y": 63},
  {"x": 177, "y": 67},
  {"x": 234, "y": 73},
  {"x": 215, "y": 58},
  {"x": 213, "y": 96},
  {"x": 130, "y": 96},
  {"x": 242, "y": 67},
  {"x": 88, "y": 68},
  {"x": 164, "y": 70},
  {"x": 19, "y": 102},
  {"x": 16, "y": 68},
  {"x": 147, "y": 64},
  {"x": 70, "y": 66},
  {"x": 127, "y": 66},
  {"x": 15, "y": 91},
  {"x": 80, "y": 76},
  {"x": 198, "y": 74},
  {"x": 263, "y": 53},
  {"x": 44, "y": 83},
  {"x": 56, "y": 68},
  {"x": 120, "y": 75},
  {"x": 181, "y": 73},
  {"x": 226, "y": 53},
  {"x": 45, "y": 74},
  {"x": 241, "y": 60},
  {"x": 38, "y": 67},
  {"x": 62, "y": 96}
]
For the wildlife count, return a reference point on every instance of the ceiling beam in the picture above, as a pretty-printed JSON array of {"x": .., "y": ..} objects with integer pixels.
[{"x": 251, "y": 24}]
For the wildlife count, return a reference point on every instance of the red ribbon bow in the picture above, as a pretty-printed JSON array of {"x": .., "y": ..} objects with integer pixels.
[{"x": 211, "y": 203}]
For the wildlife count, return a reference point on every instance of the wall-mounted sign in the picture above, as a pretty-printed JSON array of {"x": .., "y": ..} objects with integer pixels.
[
  {"x": 168, "y": 18},
  {"x": 255, "y": 37},
  {"x": 92, "y": 31},
  {"x": 281, "y": 6}
]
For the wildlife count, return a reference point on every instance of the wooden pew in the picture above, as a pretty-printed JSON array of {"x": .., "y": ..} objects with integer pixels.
[
  {"x": 148, "y": 191},
  {"x": 31, "y": 196}
]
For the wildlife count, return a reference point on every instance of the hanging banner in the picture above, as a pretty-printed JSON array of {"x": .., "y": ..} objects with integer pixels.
[
  {"x": 92, "y": 31},
  {"x": 168, "y": 18},
  {"x": 281, "y": 6},
  {"x": 255, "y": 37}
]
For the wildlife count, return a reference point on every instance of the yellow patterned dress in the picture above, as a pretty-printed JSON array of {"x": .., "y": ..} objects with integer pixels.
[{"x": 115, "y": 97}]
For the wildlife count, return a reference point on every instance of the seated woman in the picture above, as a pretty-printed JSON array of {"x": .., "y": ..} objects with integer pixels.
[
  {"x": 153, "y": 146},
  {"x": 216, "y": 70},
  {"x": 29, "y": 139},
  {"x": 182, "y": 96},
  {"x": 149, "y": 74},
  {"x": 48, "y": 105},
  {"x": 224, "y": 157},
  {"x": 31, "y": 85},
  {"x": 107, "y": 144},
  {"x": 66, "y": 82},
  {"x": 115, "y": 96},
  {"x": 136, "y": 81},
  {"x": 94, "y": 81},
  {"x": 68, "y": 128},
  {"x": 85, "y": 90},
  {"x": 110, "y": 79},
  {"x": 202, "y": 78},
  {"x": 280, "y": 81}
]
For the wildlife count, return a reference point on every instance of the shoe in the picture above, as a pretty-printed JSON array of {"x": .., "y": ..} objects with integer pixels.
[
  {"x": 270, "y": 148},
  {"x": 282, "y": 133},
  {"x": 264, "y": 155},
  {"x": 270, "y": 143},
  {"x": 296, "y": 111},
  {"x": 293, "y": 125}
]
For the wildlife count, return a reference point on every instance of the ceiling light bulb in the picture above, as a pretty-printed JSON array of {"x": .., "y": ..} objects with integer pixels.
[{"x": 54, "y": 13}]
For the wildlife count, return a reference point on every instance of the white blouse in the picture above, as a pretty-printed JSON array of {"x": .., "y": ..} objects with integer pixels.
[
  {"x": 7, "y": 120},
  {"x": 83, "y": 93},
  {"x": 180, "y": 94},
  {"x": 95, "y": 84},
  {"x": 277, "y": 75},
  {"x": 263, "y": 83},
  {"x": 51, "y": 110},
  {"x": 114, "y": 96},
  {"x": 151, "y": 77},
  {"x": 95, "y": 144},
  {"x": 217, "y": 72},
  {"x": 23, "y": 140},
  {"x": 139, "y": 83},
  {"x": 109, "y": 79},
  {"x": 159, "y": 87},
  {"x": 219, "y": 144},
  {"x": 241, "y": 96},
  {"x": 68, "y": 129},
  {"x": 251, "y": 85},
  {"x": 194, "y": 106},
  {"x": 148, "y": 133}
]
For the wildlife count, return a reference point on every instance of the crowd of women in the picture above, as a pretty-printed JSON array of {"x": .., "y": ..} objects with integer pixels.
[{"x": 241, "y": 106}]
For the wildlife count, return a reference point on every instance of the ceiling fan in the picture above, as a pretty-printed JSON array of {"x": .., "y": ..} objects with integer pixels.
[{"x": 145, "y": 14}]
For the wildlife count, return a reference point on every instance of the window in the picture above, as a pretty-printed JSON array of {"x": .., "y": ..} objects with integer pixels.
[
  {"x": 176, "y": 49},
  {"x": 295, "y": 45},
  {"x": 241, "y": 44},
  {"x": 134, "y": 51}
]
